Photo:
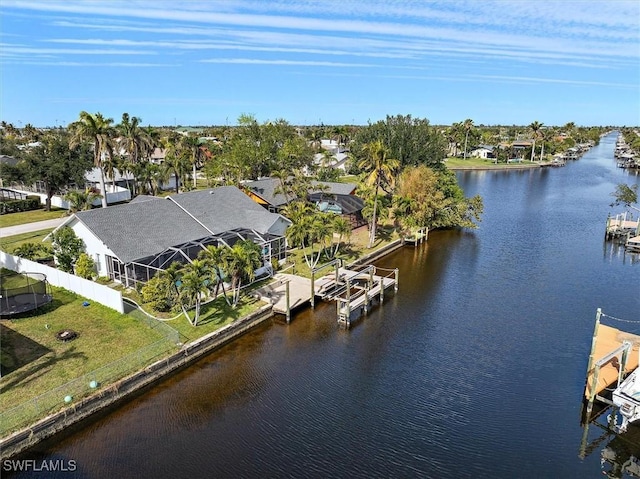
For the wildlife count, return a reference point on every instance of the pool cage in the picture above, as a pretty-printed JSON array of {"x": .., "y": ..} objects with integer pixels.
[
  {"x": 23, "y": 292},
  {"x": 142, "y": 270}
]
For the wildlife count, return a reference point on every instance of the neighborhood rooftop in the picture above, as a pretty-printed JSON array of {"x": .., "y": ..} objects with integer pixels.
[{"x": 266, "y": 189}]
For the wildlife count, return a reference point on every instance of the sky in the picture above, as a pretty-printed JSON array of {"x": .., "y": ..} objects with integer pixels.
[{"x": 316, "y": 62}]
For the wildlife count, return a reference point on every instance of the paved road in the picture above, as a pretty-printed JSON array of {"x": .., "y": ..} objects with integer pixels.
[{"x": 29, "y": 227}]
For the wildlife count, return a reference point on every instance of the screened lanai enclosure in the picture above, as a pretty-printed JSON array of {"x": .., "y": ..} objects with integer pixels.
[{"x": 142, "y": 270}]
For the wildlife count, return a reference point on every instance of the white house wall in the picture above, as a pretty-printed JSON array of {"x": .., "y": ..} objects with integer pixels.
[{"x": 94, "y": 247}]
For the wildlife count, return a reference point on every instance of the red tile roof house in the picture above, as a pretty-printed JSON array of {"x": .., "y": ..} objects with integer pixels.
[{"x": 131, "y": 243}]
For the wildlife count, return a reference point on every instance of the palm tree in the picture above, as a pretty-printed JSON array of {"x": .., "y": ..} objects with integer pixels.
[
  {"x": 381, "y": 171},
  {"x": 535, "y": 128},
  {"x": 99, "y": 130},
  {"x": 467, "y": 126},
  {"x": 214, "y": 255},
  {"x": 342, "y": 227},
  {"x": 136, "y": 142},
  {"x": 175, "y": 161},
  {"x": 240, "y": 262},
  {"x": 193, "y": 283},
  {"x": 81, "y": 200},
  {"x": 192, "y": 145}
]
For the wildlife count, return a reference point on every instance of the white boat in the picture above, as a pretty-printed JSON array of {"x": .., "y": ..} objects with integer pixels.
[{"x": 627, "y": 397}]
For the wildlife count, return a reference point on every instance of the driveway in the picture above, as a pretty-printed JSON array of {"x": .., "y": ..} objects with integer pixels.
[{"x": 29, "y": 227}]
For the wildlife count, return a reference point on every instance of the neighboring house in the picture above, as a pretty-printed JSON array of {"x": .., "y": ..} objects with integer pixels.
[
  {"x": 518, "y": 148},
  {"x": 483, "y": 151},
  {"x": 337, "y": 161},
  {"x": 330, "y": 196},
  {"x": 131, "y": 243},
  {"x": 266, "y": 191}
]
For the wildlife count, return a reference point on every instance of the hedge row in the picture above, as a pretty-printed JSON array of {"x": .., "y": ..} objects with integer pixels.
[{"x": 15, "y": 206}]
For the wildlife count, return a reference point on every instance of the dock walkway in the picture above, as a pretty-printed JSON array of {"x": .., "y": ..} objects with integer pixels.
[{"x": 350, "y": 288}]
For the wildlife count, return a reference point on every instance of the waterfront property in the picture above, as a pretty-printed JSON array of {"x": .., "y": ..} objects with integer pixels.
[{"x": 131, "y": 243}]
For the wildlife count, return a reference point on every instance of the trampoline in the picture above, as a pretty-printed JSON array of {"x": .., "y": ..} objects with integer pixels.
[{"x": 23, "y": 292}]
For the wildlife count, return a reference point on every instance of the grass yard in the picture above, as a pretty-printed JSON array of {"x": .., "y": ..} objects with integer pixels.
[
  {"x": 482, "y": 164},
  {"x": 10, "y": 243},
  {"x": 355, "y": 248},
  {"x": 34, "y": 361},
  {"x": 214, "y": 316},
  {"x": 23, "y": 217}
]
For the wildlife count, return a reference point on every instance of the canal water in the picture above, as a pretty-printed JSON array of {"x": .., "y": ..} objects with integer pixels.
[{"x": 475, "y": 368}]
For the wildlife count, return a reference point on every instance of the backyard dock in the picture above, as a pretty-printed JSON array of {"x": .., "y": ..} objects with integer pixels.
[
  {"x": 622, "y": 225},
  {"x": 352, "y": 289},
  {"x": 614, "y": 354}
]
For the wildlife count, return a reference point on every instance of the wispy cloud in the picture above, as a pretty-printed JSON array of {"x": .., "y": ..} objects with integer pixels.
[{"x": 253, "y": 61}]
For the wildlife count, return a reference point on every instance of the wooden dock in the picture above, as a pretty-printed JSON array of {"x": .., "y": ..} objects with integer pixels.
[
  {"x": 622, "y": 225},
  {"x": 352, "y": 289},
  {"x": 614, "y": 354}
]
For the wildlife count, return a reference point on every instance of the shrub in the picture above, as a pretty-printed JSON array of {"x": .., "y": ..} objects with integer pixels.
[
  {"x": 158, "y": 294},
  {"x": 15, "y": 206},
  {"x": 85, "y": 266},
  {"x": 29, "y": 251},
  {"x": 67, "y": 248}
]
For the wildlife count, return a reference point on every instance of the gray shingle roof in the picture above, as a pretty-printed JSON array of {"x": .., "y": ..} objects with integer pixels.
[
  {"x": 265, "y": 189},
  {"x": 137, "y": 230},
  {"x": 150, "y": 225},
  {"x": 226, "y": 208}
]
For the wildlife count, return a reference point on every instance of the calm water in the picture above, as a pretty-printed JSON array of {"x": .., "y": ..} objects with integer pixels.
[{"x": 474, "y": 369}]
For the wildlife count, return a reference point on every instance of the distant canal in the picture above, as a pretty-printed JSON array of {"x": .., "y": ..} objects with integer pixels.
[{"x": 475, "y": 368}]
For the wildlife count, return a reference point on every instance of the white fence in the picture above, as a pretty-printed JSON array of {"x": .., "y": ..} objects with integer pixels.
[
  {"x": 84, "y": 287},
  {"x": 115, "y": 194}
]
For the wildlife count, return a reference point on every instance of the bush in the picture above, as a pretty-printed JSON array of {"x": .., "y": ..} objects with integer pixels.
[
  {"x": 67, "y": 248},
  {"x": 157, "y": 293},
  {"x": 85, "y": 266},
  {"x": 15, "y": 206}
]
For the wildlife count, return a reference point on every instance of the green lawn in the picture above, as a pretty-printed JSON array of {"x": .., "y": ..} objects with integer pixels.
[
  {"x": 13, "y": 219},
  {"x": 349, "y": 251},
  {"x": 34, "y": 361},
  {"x": 214, "y": 316},
  {"x": 10, "y": 243},
  {"x": 480, "y": 163}
]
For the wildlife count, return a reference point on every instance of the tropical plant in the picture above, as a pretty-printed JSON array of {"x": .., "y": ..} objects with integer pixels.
[
  {"x": 159, "y": 293},
  {"x": 30, "y": 251},
  {"x": 467, "y": 126},
  {"x": 240, "y": 262},
  {"x": 214, "y": 256},
  {"x": 381, "y": 174},
  {"x": 193, "y": 285},
  {"x": 535, "y": 129},
  {"x": 67, "y": 248},
  {"x": 99, "y": 131},
  {"x": 81, "y": 200}
]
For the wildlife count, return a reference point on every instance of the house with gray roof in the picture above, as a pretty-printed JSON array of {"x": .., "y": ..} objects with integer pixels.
[
  {"x": 329, "y": 196},
  {"x": 130, "y": 243}
]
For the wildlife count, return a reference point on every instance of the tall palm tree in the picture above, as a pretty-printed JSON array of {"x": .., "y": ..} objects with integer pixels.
[
  {"x": 134, "y": 140},
  {"x": 467, "y": 126},
  {"x": 214, "y": 256},
  {"x": 240, "y": 262},
  {"x": 535, "y": 129},
  {"x": 175, "y": 161},
  {"x": 193, "y": 284},
  {"x": 381, "y": 170},
  {"x": 100, "y": 131},
  {"x": 196, "y": 154}
]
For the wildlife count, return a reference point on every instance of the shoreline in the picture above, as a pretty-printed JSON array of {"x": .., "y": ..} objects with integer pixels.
[
  {"x": 125, "y": 388},
  {"x": 497, "y": 167}
]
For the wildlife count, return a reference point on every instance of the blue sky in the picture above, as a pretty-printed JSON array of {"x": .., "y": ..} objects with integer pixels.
[{"x": 310, "y": 62}]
